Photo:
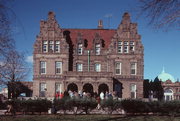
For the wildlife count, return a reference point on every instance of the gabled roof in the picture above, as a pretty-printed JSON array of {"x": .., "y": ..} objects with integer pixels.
[{"x": 89, "y": 35}]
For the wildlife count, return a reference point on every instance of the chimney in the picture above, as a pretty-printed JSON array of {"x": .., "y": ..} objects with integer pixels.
[{"x": 100, "y": 24}]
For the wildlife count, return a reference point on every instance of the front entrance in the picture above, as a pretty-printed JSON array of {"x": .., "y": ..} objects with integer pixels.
[
  {"x": 168, "y": 95},
  {"x": 103, "y": 88},
  {"x": 73, "y": 87},
  {"x": 88, "y": 88}
]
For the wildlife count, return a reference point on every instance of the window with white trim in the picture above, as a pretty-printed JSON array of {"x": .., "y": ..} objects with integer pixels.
[
  {"x": 119, "y": 47},
  {"x": 45, "y": 46},
  {"x": 97, "y": 67},
  {"x": 80, "y": 48},
  {"x": 42, "y": 67},
  {"x": 133, "y": 68},
  {"x": 42, "y": 89},
  {"x": 133, "y": 89},
  {"x": 57, "y": 46},
  {"x": 58, "y": 87},
  {"x": 51, "y": 46},
  {"x": 97, "y": 49},
  {"x": 58, "y": 67},
  {"x": 132, "y": 46},
  {"x": 126, "y": 47},
  {"x": 118, "y": 68},
  {"x": 79, "y": 67}
]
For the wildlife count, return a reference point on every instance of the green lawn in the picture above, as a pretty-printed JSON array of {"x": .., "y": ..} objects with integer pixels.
[{"x": 86, "y": 118}]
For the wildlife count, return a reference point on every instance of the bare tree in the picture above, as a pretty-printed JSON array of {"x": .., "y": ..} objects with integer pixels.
[
  {"x": 14, "y": 71},
  {"x": 6, "y": 41},
  {"x": 162, "y": 13}
]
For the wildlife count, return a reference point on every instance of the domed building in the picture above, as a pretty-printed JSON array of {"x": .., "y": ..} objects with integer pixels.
[{"x": 171, "y": 87}]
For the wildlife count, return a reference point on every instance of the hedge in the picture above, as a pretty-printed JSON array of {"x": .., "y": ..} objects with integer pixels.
[
  {"x": 38, "y": 105},
  {"x": 75, "y": 104}
]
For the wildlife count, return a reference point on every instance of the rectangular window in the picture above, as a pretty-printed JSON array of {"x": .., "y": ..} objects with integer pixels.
[
  {"x": 118, "y": 68},
  {"x": 132, "y": 46},
  {"x": 126, "y": 47},
  {"x": 57, "y": 46},
  {"x": 79, "y": 67},
  {"x": 42, "y": 89},
  {"x": 97, "y": 49},
  {"x": 133, "y": 90},
  {"x": 58, "y": 66},
  {"x": 97, "y": 67},
  {"x": 51, "y": 46},
  {"x": 80, "y": 49},
  {"x": 58, "y": 88},
  {"x": 42, "y": 67},
  {"x": 119, "y": 48},
  {"x": 133, "y": 68},
  {"x": 45, "y": 46}
]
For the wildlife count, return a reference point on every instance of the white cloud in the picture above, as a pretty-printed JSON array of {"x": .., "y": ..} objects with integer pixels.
[{"x": 29, "y": 59}]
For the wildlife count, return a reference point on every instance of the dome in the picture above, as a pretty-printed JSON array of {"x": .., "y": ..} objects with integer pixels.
[{"x": 165, "y": 76}]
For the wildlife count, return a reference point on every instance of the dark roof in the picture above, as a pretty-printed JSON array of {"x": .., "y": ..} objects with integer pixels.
[{"x": 89, "y": 35}]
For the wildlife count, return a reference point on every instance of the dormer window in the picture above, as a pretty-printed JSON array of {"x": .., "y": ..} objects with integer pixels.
[
  {"x": 51, "y": 46},
  {"x": 45, "y": 46},
  {"x": 126, "y": 47},
  {"x": 79, "y": 67},
  {"x": 97, "y": 49},
  {"x": 57, "y": 46},
  {"x": 80, "y": 49},
  {"x": 132, "y": 46},
  {"x": 98, "y": 67}
]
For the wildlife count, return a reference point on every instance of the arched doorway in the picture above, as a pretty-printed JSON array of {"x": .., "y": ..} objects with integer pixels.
[
  {"x": 168, "y": 94},
  {"x": 73, "y": 87},
  {"x": 103, "y": 88},
  {"x": 88, "y": 88}
]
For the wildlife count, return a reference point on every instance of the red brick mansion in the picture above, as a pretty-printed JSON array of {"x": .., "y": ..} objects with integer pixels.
[{"x": 90, "y": 60}]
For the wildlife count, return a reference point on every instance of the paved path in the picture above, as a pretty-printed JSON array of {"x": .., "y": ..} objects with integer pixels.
[{"x": 2, "y": 112}]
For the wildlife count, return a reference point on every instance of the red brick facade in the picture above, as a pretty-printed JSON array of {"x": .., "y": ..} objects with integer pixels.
[{"x": 91, "y": 60}]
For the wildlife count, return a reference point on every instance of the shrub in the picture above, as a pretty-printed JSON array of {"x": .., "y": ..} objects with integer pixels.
[
  {"x": 133, "y": 106},
  {"x": 84, "y": 104},
  {"x": 39, "y": 105},
  {"x": 110, "y": 104}
]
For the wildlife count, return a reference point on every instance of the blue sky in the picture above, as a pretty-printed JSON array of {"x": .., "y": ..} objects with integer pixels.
[{"x": 160, "y": 48}]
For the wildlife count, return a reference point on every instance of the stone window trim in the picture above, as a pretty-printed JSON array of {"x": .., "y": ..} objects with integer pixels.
[
  {"x": 80, "y": 48},
  {"x": 51, "y": 46},
  {"x": 133, "y": 90},
  {"x": 126, "y": 46},
  {"x": 42, "y": 89},
  {"x": 58, "y": 87},
  {"x": 43, "y": 67},
  {"x": 44, "y": 46},
  {"x": 133, "y": 68},
  {"x": 97, "y": 48},
  {"x": 118, "y": 68},
  {"x": 132, "y": 46},
  {"x": 58, "y": 67},
  {"x": 57, "y": 46},
  {"x": 119, "y": 46},
  {"x": 79, "y": 67},
  {"x": 97, "y": 67}
]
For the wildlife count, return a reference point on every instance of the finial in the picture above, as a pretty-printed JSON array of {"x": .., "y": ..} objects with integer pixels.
[
  {"x": 126, "y": 18},
  {"x": 51, "y": 15}
]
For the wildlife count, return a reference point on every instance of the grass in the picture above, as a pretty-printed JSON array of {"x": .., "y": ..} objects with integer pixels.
[{"x": 86, "y": 118}]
